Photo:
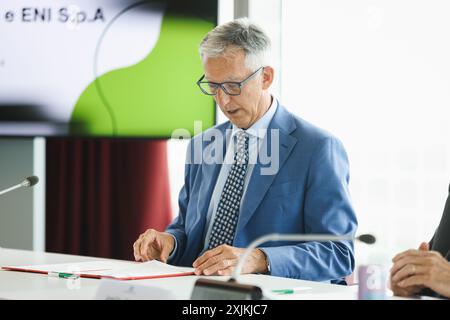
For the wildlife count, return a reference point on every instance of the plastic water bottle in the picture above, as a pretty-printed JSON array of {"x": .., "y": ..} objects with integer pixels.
[{"x": 373, "y": 277}]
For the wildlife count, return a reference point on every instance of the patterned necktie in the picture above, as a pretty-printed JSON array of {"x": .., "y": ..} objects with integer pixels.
[{"x": 227, "y": 213}]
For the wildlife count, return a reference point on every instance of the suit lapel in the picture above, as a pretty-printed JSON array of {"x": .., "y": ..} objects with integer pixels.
[
  {"x": 209, "y": 176},
  {"x": 259, "y": 184},
  {"x": 210, "y": 172}
]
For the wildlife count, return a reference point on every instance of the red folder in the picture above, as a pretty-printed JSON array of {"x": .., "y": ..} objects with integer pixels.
[{"x": 119, "y": 270}]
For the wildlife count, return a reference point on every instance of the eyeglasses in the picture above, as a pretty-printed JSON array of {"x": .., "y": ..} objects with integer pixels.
[{"x": 231, "y": 88}]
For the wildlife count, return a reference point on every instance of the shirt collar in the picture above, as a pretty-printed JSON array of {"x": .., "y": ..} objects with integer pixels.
[{"x": 259, "y": 128}]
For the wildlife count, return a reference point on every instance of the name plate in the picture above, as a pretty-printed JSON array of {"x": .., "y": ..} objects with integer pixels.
[{"x": 124, "y": 290}]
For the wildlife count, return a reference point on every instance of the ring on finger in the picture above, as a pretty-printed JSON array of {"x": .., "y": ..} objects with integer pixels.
[{"x": 413, "y": 270}]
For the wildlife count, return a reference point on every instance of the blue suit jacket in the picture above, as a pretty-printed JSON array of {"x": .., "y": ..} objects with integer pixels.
[{"x": 308, "y": 195}]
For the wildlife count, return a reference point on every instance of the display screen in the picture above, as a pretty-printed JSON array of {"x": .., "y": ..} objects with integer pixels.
[{"x": 106, "y": 68}]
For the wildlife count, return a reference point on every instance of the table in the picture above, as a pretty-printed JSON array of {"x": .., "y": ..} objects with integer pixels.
[{"x": 30, "y": 286}]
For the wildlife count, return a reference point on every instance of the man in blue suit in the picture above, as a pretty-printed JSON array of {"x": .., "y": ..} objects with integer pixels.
[{"x": 227, "y": 202}]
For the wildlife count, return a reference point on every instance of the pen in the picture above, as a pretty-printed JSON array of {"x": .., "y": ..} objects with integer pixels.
[
  {"x": 288, "y": 291},
  {"x": 63, "y": 275}
]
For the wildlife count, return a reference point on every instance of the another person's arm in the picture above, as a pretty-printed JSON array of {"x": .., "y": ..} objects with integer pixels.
[{"x": 415, "y": 269}]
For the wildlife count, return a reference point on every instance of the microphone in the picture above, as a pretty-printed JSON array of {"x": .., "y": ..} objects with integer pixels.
[
  {"x": 206, "y": 289},
  {"x": 28, "y": 182}
]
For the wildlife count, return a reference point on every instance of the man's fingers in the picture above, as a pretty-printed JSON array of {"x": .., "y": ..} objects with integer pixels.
[
  {"x": 146, "y": 249},
  {"x": 151, "y": 245},
  {"x": 165, "y": 252},
  {"x": 226, "y": 272},
  {"x": 207, "y": 255},
  {"x": 137, "y": 248},
  {"x": 222, "y": 269},
  {"x": 220, "y": 258},
  {"x": 410, "y": 252},
  {"x": 405, "y": 292},
  {"x": 408, "y": 271},
  {"x": 222, "y": 264},
  {"x": 208, "y": 264},
  {"x": 412, "y": 259},
  {"x": 222, "y": 261},
  {"x": 424, "y": 246},
  {"x": 160, "y": 249},
  {"x": 135, "y": 251},
  {"x": 418, "y": 280}
]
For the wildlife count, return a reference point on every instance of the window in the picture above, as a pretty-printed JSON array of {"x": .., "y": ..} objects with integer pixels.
[{"x": 377, "y": 75}]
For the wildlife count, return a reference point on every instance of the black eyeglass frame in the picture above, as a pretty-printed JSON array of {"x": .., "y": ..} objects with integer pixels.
[{"x": 222, "y": 85}]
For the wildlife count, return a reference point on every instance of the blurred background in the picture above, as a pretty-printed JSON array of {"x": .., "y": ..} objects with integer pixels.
[{"x": 89, "y": 104}]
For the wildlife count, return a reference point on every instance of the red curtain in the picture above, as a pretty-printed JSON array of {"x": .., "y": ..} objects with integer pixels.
[{"x": 102, "y": 193}]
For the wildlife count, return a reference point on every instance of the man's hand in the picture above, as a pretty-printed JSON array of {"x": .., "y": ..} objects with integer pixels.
[
  {"x": 223, "y": 259},
  {"x": 153, "y": 244},
  {"x": 395, "y": 275},
  {"x": 416, "y": 269}
]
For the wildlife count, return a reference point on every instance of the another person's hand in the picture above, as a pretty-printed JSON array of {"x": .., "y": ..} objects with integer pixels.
[
  {"x": 394, "y": 277},
  {"x": 223, "y": 259},
  {"x": 152, "y": 245},
  {"x": 416, "y": 269}
]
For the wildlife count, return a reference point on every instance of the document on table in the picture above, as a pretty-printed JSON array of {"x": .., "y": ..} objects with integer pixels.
[{"x": 119, "y": 270}]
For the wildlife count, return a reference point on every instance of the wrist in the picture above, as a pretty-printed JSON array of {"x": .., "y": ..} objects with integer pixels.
[
  {"x": 262, "y": 262},
  {"x": 171, "y": 240}
]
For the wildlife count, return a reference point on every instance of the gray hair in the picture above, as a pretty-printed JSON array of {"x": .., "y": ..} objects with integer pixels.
[{"x": 238, "y": 34}]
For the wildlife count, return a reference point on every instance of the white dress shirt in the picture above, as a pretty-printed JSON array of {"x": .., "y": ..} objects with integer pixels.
[{"x": 257, "y": 133}]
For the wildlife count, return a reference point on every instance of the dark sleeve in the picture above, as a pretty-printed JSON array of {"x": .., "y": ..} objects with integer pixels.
[
  {"x": 441, "y": 242},
  {"x": 441, "y": 238}
]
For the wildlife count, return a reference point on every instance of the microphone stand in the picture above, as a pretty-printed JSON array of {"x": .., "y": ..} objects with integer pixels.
[
  {"x": 206, "y": 289},
  {"x": 28, "y": 182},
  {"x": 17, "y": 186},
  {"x": 283, "y": 237}
]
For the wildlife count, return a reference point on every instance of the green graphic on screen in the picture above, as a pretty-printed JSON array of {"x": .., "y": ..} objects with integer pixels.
[
  {"x": 155, "y": 96},
  {"x": 104, "y": 68}
]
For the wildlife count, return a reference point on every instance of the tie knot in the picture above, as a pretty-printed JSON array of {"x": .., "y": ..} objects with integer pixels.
[
  {"x": 241, "y": 138},
  {"x": 241, "y": 153}
]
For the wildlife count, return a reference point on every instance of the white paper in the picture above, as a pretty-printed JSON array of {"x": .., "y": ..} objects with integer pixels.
[
  {"x": 150, "y": 268},
  {"x": 114, "y": 269}
]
